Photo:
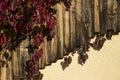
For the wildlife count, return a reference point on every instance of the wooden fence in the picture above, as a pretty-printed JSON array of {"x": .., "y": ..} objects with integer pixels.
[{"x": 83, "y": 21}]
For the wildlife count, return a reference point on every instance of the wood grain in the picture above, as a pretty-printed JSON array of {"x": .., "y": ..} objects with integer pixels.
[
  {"x": 96, "y": 16},
  {"x": 102, "y": 15}
]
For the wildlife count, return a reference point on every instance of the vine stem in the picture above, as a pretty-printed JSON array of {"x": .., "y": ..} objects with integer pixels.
[{"x": 20, "y": 38}]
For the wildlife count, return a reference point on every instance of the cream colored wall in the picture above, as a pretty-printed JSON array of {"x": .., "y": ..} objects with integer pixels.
[{"x": 101, "y": 65}]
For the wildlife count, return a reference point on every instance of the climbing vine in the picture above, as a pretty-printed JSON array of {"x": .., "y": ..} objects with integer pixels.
[{"x": 33, "y": 19}]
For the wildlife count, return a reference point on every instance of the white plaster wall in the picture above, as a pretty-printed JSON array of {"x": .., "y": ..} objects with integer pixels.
[{"x": 101, "y": 65}]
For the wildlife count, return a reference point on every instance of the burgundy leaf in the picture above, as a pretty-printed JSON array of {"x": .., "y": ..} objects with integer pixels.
[
  {"x": 35, "y": 57},
  {"x": 40, "y": 53},
  {"x": 51, "y": 22}
]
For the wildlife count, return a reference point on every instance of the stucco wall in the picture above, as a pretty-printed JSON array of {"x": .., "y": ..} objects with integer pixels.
[{"x": 101, "y": 65}]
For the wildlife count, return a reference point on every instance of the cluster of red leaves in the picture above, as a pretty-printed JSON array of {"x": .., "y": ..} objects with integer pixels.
[
  {"x": 21, "y": 16},
  {"x": 19, "y": 19},
  {"x": 36, "y": 56},
  {"x": 31, "y": 66},
  {"x": 38, "y": 40}
]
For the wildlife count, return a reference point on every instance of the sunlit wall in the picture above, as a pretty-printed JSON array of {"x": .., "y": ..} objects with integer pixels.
[{"x": 101, "y": 65}]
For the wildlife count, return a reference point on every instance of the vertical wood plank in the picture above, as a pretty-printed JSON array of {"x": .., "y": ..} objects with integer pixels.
[
  {"x": 90, "y": 6},
  {"x": 83, "y": 34},
  {"x": 85, "y": 24},
  {"x": 53, "y": 49},
  {"x": 3, "y": 70},
  {"x": 59, "y": 31},
  {"x": 72, "y": 27},
  {"x": 102, "y": 14},
  {"x": 3, "y": 75},
  {"x": 46, "y": 52},
  {"x": 66, "y": 32},
  {"x": 96, "y": 16},
  {"x": 88, "y": 16},
  {"x": 49, "y": 61},
  {"x": 24, "y": 56},
  {"x": 78, "y": 15},
  {"x": 110, "y": 14},
  {"x": 20, "y": 61},
  {"x": 54, "y": 43},
  {"x": 115, "y": 19},
  {"x": 15, "y": 66},
  {"x": 9, "y": 68},
  {"x": 9, "y": 71},
  {"x": 42, "y": 60}
]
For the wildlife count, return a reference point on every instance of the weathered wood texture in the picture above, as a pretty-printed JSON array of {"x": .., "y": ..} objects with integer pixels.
[
  {"x": 83, "y": 21},
  {"x": 112, "y": 15},
  {"x": 102, "y": 16}
]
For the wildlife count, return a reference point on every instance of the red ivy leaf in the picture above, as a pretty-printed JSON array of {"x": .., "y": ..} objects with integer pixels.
[{"x": 51, "y": 22}]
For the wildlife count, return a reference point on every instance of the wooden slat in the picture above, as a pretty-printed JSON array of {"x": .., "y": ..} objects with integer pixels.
[
  {"x": 88, "y": 16},
  {"x": 72, "y": 27},
  {"x": 83, "y": 34},
  {"x": 110, "y": 14},
  {"x": 20, "y": 61},
  {"x": 66, "y": 32},
  {"x": 42, "y": 60},
  {"x": 53, "y": 49},
  {"x": 47, "y": 52},
  {"x": 115, "y": 13},
  {"x": 85, "y": 24},
  {"x": 23, "y": 57},
  {"x": 60, "y": 31},
  {"x": 3, "y": 75},
  {"x": 3, "y": 69},
  {"x": 15, "y": 66},
  {"x": 96, "y": 16},
  {"x": 54, "y": 43},
  {"x": 77, "y": 11},
  {"x": 9, "y": 71},
  {"x": 6, "y": 69},
  {"x": 102, "y": 11},
  {"x": 90, "y": 6}
]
